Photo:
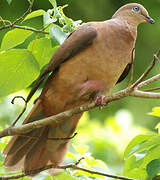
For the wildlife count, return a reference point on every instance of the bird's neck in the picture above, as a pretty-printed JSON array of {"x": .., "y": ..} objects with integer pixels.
[
  {"x": 132, "y": 28},
  {"x": 129, "y": 25}
]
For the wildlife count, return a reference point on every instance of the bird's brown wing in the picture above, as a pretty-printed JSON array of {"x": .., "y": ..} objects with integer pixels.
[
  {"x": 76, "y": 41},
  {"x": 128, "y": 67},
  {"x": 125, "y": 73}
]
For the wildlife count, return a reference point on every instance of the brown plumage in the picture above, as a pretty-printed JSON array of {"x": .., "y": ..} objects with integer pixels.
[{"x": 88, "y": 64}]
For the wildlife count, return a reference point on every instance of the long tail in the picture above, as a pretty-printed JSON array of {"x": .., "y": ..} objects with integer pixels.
[{"x": 34, "y": 149}]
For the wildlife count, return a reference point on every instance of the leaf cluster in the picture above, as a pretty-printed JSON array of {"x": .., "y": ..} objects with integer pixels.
[
  {"x": 21, "y": 66},
  {"x": 142, "y": 155}
]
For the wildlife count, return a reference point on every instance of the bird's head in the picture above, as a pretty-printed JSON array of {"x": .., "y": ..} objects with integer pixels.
[{"x": 133, "y": 12}]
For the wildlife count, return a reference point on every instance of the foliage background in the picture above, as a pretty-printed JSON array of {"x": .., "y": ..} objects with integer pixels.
[{"x": 113, "y": 127}]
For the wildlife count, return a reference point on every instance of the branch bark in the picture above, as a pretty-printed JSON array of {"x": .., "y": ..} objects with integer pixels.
[{"x": 69, "y": 166}]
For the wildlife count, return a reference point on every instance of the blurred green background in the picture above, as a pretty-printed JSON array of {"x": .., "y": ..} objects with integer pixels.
[{"x": 107, "y": 132}]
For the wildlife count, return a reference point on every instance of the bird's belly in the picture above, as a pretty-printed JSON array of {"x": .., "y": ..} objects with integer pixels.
[{"x": 94, "y": 63}]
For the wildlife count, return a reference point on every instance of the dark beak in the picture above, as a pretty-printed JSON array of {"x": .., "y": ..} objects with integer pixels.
[{"x": 150, "y": 20}]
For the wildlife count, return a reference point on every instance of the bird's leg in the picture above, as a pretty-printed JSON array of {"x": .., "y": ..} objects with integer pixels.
[
  {"x": 100, "y": 101},
  {"x": 90, "y": 87},
  {"x": 93, "y": 87}
]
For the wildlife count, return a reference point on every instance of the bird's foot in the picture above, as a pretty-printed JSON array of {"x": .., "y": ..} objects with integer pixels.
[{"x": 100, "y": 101}]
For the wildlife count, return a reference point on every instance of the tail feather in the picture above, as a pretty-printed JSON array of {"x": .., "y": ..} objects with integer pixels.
[
  {"x": 20, "y": 145},
  {"x": 9, "y": 145},
  {"x": 15, "y": 155},
  {"x": 30, "y": 153},
  {"x": 19, "y": 141},
  {"x": 35, "y": 158}
]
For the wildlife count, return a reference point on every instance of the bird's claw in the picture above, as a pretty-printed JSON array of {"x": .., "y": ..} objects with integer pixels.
[{"x": 100, "y": 101}]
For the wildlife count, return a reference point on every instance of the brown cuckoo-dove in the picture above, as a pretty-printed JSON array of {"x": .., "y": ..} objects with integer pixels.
[{"x": 89, "y": 63}]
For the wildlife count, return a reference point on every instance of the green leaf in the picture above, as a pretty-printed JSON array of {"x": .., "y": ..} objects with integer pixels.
[
  {"x": 54, "y": 3},
  {"x": 81, "y": 149},
  {"x": 14, "y": 37},
  {"x": 95, "y": 162},
  {"x": 34, "y": 14},
  {"x": 71, "y": 155},
  {"x": 9, "y": 1},
  {"x": 131, "y": 148},
  {"x": 42, "y": 50},
  {"x": 47, "y": 19},
  {"x": 148, "y": 144},
  {"x": 153, "y": 168},
  {"x": 63, "y": 176},
  {"x": 137, "y": 174},
  {"x": 57, "y": 35},
  {"x": 155, "y": 112},
  {"x": 152, "y": 154},
  {"x": 18, "y": 69}
]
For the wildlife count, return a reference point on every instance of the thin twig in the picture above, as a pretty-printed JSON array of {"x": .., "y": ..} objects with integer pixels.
[
  {"x": 57, "y": 139},
  {"x": 24, "y": 109},
  {"x": 148, "y": 81},
  {"x": 78, "y": 162},
  {"x": 70, "y": 166},
  {"x": 143, "y": 94},
  {"x": 145, "y": 73},
  {"x": 155, "y": 57},
  {"x": 151, "y": 89},
  {"x": 30, "y": 29},
  {"x": 20, "y": 18}
]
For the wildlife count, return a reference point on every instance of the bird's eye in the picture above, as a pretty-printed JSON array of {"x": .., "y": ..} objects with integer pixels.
[{"x": 136, "y": 8}]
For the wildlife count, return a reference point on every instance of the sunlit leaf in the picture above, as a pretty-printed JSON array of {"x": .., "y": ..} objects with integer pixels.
[
  {"x": 34, "y": 14},
  {"x": 137, "y": 174},
  {"x": 18, "y": 69},
  {"x": 148, "y": 144},
  {"x": 64, "y": 176},
  {"x": 68, "y": 28},
  {"x": 9, "y": 1},
  {"x": 42, "y": 50},
  {"x": 132, "y": 168},
  {"x": 71, "y": 155},
  {"x": 2, "y": 146},
  {"x": 155, "y": 111},
  {"x": 153, "y": 168},
  {"x": 81, "y": 149},
  {"x": 14, "y": 37},
  {"x": 152, "y": 154},
  {"x": 95, "y": 162},
  {"x": 84, "y": 173},
  {"x": 158, "y": 127},
  {"x": 47, "y": 19},
  {"x": 57, "y": 35},
  {"x": 57, "y": 13},
  {"x": 135, "y": 142}
]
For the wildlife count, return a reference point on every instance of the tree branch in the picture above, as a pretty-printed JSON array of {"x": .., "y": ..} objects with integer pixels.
[
  {"x": 22, "y": 129},
  {"x": 69, "y": 166},
  {"x": 29, "y": 29}
]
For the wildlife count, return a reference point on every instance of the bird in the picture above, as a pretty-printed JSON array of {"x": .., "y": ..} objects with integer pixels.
[{"x": 88, "y": 64}]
